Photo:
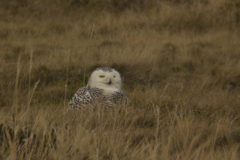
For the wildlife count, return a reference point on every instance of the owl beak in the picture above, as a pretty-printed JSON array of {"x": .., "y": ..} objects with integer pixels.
[{"x": 109, "y": 82}]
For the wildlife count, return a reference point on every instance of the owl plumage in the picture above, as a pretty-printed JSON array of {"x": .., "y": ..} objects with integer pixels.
[{"x": 103, "y": 88}]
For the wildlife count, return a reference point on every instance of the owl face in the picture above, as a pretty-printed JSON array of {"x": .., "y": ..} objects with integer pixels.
[{"x": 105, "y": 78}]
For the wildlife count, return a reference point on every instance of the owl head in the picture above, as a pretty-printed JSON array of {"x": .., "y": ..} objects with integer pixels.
[{"x": 105, "y": 78}]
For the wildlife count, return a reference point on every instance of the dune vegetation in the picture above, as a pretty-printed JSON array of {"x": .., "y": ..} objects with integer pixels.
[{"x": 180, "y": 64}]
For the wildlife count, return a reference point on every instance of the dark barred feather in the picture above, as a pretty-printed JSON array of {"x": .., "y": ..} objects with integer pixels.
[{"x": 86, "y": 98}]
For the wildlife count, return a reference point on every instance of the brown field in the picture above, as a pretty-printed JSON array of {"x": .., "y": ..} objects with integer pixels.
[{"x": 180, "y": 61}]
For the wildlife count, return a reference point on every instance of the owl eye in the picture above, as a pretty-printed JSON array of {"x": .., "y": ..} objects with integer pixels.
[
  {"x": 101, "y": 76},
  {"x": 114, "y": 76}
]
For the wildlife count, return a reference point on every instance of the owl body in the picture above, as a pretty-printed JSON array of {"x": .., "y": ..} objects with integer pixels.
[{"x": 103, "y": 88}]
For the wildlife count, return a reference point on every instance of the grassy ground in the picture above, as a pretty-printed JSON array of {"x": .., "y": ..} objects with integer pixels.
[{"x": 180, "y": 61}]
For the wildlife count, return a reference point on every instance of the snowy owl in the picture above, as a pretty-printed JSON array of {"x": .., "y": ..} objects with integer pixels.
[{"x": 104, "y": 87}]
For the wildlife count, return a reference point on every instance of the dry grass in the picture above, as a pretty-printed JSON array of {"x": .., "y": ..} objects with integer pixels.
[{"x": 179, "y": 60}]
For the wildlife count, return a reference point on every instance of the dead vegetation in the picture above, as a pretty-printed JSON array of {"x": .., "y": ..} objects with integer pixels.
[{"x": 179, "y": 60}]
